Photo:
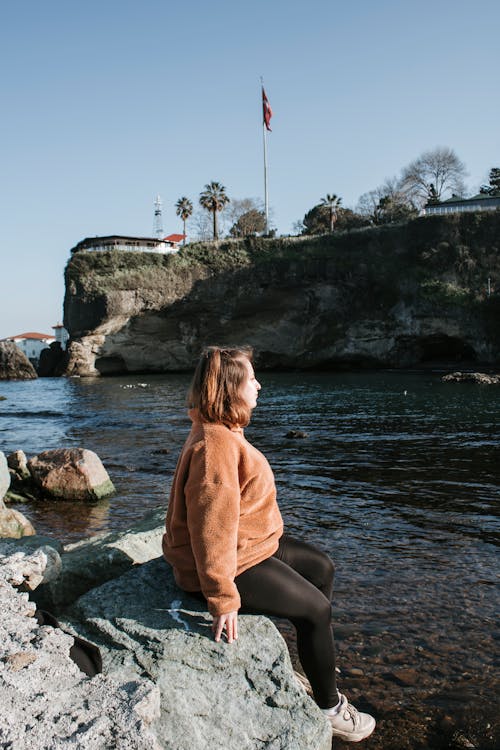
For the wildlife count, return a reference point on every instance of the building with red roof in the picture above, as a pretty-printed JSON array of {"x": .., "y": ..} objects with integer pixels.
[{"x": 31, "y": 343}]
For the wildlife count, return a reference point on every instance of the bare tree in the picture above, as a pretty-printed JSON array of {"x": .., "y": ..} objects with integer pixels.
[
  {"x": 387, "y": 203},
  {"x": 202, "y": 225},
  {"x": 441, "y": 167}
]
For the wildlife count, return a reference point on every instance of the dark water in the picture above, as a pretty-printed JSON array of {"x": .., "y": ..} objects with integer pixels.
[{"x": 398, "y": 480}]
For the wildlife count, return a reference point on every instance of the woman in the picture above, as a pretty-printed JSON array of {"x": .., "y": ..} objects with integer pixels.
[{"x": 224, "y": 533}]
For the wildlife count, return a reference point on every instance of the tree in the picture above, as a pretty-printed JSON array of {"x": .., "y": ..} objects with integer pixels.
[
  {"x": 386, "y": 204},
  {"x": 318, "y": 220},
  {"x": 184, "y": 209},
  {"x": 249, "y": 224},
  {"x": 332, "y": 202},
  {"x": 213, "y": 199},
  {"x": 441, "y": 167},
  {"x": 494, "y": 187}
]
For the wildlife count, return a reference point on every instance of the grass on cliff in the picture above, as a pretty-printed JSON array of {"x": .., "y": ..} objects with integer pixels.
[{"x": 449, "y": 257}]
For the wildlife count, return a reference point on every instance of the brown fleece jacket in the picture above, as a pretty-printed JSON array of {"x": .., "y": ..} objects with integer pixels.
[{"x": 222, "y": 515}]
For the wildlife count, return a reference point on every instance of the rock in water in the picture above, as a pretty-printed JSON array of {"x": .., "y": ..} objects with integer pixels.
[
  {"x": 18, "y": 462},
  {"x": 71, "y": 474},
  {"x": 4, "y": 476},
  {"x": 213, "y": 695},
  {"x": 481, "y": 378},
  {"x": 51, "y": 361},
  {"x": 12, "y": 523},
  {"x": 14, "y": 365}
]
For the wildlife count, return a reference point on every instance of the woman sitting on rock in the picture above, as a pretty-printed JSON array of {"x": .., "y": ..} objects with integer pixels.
[{"x": 224, "y": 533}]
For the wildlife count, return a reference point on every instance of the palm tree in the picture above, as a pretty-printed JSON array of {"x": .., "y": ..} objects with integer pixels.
[
  {"x": 214, "y": 198},
  {"x": 332, "y": 202},
  {"x": 184, "y": 209}
]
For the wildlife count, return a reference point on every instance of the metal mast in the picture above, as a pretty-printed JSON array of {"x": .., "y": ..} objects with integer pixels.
[{"x": 158, "y": 222}]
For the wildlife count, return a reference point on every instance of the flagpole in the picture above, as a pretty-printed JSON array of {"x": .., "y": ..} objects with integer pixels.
[{"x": 266, "y": 195}]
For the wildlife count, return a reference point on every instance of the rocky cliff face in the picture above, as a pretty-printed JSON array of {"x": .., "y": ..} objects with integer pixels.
[{"x": 394, "y": 296}]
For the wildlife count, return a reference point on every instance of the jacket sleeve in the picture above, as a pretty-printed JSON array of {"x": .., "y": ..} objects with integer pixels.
[{"x": 212, "y": 496}]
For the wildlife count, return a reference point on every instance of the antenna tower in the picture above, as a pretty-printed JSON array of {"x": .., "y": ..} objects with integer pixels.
[{"x": 158, "y": 222}]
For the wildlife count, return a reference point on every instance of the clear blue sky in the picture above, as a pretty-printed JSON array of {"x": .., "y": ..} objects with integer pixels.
[{"x": 106, "y": 104}]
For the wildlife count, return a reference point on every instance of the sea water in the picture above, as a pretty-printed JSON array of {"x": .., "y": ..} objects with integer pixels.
[{"x": 396, "y": 477}]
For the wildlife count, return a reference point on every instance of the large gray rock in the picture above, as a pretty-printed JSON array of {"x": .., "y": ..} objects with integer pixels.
[
  {"x": 71, "y": 474},
  {"x": 213, "y": 695},
  {"x": 47, "y": 702},
  {"x": 14, "y": 364},
  {"x": 88, "y": 563}
]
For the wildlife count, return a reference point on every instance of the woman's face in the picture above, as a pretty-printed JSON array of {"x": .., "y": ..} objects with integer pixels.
[{"x": 250, "y": 386}]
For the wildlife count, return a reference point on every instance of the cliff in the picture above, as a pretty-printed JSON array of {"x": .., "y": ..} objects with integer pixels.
[{"x": 398, "y": 296}]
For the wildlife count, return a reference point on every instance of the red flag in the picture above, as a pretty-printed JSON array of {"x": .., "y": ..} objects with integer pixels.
[{"x": 266, "y": 110}]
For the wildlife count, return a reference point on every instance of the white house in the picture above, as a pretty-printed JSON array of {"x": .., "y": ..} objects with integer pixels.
[
  {"x": 479, "y": 202},
  {"x": 168, "y": 244},
  {"x": 61, "y": 334},
  {"x": 31, "y": 344}
]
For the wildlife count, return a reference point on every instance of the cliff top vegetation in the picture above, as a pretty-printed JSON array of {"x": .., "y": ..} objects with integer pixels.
[{"x": 464, "y": 247}]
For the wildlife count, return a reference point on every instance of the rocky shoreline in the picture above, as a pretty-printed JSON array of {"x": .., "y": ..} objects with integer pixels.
[
  {"x": 165, "y": 683},
  {"x": 115, "y": 590}
]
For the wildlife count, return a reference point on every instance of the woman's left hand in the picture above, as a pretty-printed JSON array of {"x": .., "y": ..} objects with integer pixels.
[{"x": 228, "y": 621}]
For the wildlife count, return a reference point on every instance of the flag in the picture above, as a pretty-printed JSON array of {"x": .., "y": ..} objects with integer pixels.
[{"x": 266, "y": 110}]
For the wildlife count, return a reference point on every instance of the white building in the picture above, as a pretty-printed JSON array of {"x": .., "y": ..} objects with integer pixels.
[
  {"x": 168, "y": 244},
  {"x": 480, "y": 202},
  {"x": 31, "y": 344},
  {"x": 61, "y": 334}
]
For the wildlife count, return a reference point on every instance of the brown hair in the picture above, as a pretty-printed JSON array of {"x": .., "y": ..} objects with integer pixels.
[{"x": 216, "y": 385}]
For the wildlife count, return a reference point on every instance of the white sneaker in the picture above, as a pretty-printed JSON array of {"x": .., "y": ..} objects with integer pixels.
[{"x": 349, "y": 724}]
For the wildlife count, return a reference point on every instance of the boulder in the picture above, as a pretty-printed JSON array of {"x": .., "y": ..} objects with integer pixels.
[
  {"x": 91, "y": 562},
  {"x": 52, "y": 360},
  {"x": 47, "y": 702},
  {"x": 481, "y": 378},
  {"x": 4, "y": 476},
  {"x": 71, "y": 474},
  {"x": 18, "y": 463},
  {"x": 217, "y": 695},
  {"x": 28, "y": 568},
  {"x": 14, "y": 524},
  {"x": 14, "y": 364}
]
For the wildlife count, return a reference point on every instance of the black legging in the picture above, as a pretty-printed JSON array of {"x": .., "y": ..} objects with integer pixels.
[{"x": 297, "y": 583}]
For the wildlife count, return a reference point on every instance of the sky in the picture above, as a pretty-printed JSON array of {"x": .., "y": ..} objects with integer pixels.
[{"x": 107, "y": 104}]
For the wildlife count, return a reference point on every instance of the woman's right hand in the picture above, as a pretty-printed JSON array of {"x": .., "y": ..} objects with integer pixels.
[{"x": 229, "y": 622}]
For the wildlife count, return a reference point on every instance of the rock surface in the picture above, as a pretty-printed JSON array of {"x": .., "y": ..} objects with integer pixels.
[
  {"x": 395, "y": 296},
  {"x": 213, "y": 695},
  {"x": 52, "y": 360},
  {"x": 12, "y": 522},
  {"x": 47, "y": 702},
  {"x": 14, "y": 364},
  {"x": 91, "y": 562},
  {"x": 481, "y": 378},
  {"x": 71, "y": 474},
  {"x": 4, "y": 476},
  {"x": 18, "y": 463}
]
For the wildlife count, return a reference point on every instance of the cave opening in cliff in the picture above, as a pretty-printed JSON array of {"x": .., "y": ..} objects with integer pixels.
[{"x": 442, "y": 348}]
